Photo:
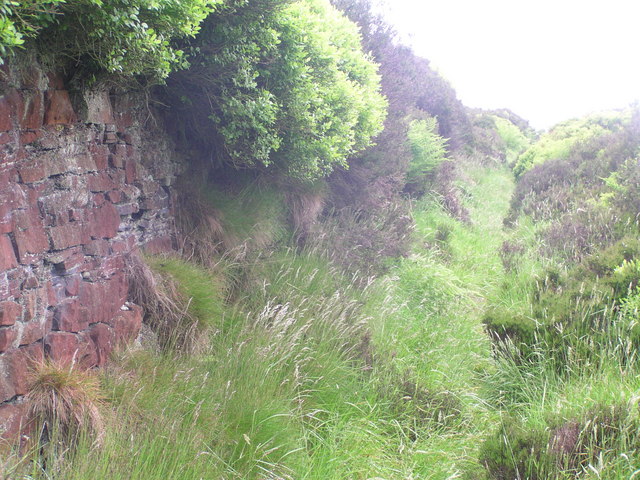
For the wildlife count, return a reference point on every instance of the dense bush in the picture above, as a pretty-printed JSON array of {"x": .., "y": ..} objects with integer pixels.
[
  {"x": 126, "y": 37},
  {"x": 428, "y": 152},
  {"x": 590, "y": 191},
  {"x": 514, "y": 138},
  {"x": 280, "y": 85},
  {"x": 561, "y": 139}
]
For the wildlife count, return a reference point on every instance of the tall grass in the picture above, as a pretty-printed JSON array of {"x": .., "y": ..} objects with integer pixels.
[{"x": 308, "y": 371}]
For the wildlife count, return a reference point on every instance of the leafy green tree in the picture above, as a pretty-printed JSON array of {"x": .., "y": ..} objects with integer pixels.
[
  {"x": 127, "y": 37},
  {"x": 20, "y": 20},
  {"x": 280, "y": 85}
]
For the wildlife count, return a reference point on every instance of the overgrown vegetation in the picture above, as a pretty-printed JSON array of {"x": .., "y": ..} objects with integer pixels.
[
  {"x": 564, "y": 323},
  {"x": 126, "y": 37},
  {"x": 280, "y": 84},
  {"x": 457, "y": 300},
  {"x": 428, "y": 151}
]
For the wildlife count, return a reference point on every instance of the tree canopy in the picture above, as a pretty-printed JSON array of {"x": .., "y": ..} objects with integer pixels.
[{"x": 280, "y": 85}]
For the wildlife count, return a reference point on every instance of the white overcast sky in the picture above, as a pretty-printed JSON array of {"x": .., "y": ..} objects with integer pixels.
[{"x": 547, "y": 60}]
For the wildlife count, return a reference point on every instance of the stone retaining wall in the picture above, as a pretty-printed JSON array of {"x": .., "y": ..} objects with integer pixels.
[{"x": 85, "y": 181}]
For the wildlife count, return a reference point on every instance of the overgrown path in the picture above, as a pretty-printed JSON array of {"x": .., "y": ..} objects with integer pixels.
[
  {"x": 439, "y": 337},
  {"x": 327, "y": 380}
]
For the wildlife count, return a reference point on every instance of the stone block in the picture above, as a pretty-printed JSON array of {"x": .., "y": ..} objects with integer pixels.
[
  {"x": 10, "y": 313},
  {"x": 36, "y": 330},
  {"x": 104, "y": 299},
  {"x": 56, "y": 81},
  {"x": 100, "y": 154},
  {"x": 127, "y": 325},
  {"x": 30, "y": 235},
  {"x": 99, "y": 199},
  {"x": 119, "y": 156},
  {"x": 113, "y": 196},
  {"x": 104, "y": 221},
  {"x": 163, "y": 244},
  {"x": 69, "y": 159},
  {"x": 70, "y": 316},
  {"x": 111, "y": 265},
  {"x": 11, "y": 107},
  {"x": 71, "y": 262},
  {"x": 76, "y": 215},
  {"x": 58, "y": 108},
  {"x": 69, "y": 235},
  {"x": 7, "y": 255},
  {"x": 36, "y": 302},
  {"x": 155, "y": 203},
  {"x": 27, "y": 138},
  {"x": 11, "y": 284},
  {"x": 65, "y": 205},
  {"x": 124, "y": 120},
  {"x": 6, "y": 218},
  {"x": 5, "y": 291},
  {"x": 12, "y": 417},
  {"x": 131, "y": 171},
  {"x": 150, "y": 188},
  {"x": 103, "y": 339},
  {"x": 7, "y": 336},
  {"x": 33, "y": 112},
  {"x": 69, "y": 348},
  {"x": 61, "y": 256},
  {"x": 33, "y": 172},
  {"x": 72, "y": 285},
  {"x": 100, "y": 182},
  {"x": 14, "y": 370},
  {"x": 128, "y": 209},
  {"x": 97, "y": 248},
  {"x": 124, "y": 246},
  {"x": 98, "y": 107},
  {"x": 30, "y": 282}
]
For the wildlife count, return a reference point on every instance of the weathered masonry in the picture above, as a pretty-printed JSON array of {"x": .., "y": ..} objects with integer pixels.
[{"x": 85, "y": 182}]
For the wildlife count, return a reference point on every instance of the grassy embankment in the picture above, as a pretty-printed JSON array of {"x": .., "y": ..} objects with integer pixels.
[{"x": 306, "y": 376}]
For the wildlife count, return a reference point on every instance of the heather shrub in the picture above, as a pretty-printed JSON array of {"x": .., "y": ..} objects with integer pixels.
[
  {"x": 510, "y": 253},
  {"x": 571, "y": 309},
  {"x": 559, "y": 446},
  {"x": 623, "y": 190},
  {"x": 516, "y": 452},
  {"x": 488, "y": 145},
  {"x": 579, "y": 233},
  {"x": 364, "y": 241},
  {"x": 503, "y": 325},
  {"x": 630, "y": 314}
]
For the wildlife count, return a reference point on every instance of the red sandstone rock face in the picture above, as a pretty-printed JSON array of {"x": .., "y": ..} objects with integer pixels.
[
  {"x": 58, "y": 108},
  {"x": 79, "y": 192}
]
